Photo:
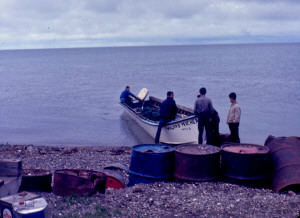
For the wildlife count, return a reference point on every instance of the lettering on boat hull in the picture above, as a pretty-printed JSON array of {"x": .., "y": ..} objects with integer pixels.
[{"x": 186, "y": 125}]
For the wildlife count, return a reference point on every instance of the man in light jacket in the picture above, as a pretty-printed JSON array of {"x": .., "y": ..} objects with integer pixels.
[{"x": 233, "y": 118}]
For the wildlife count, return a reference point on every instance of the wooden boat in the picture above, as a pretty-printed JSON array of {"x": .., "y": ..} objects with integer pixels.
[{"x": 182, "y": 130}]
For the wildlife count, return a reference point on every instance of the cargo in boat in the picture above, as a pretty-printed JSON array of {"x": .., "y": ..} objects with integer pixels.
[{"x": 182, "y": 130}]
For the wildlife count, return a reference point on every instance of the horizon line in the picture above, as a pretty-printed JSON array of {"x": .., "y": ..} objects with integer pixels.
[{"x": 154, "y": 45}]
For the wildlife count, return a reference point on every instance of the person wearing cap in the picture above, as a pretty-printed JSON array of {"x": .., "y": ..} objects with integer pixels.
[
  {"x": 125, "y": 96},
  {"x": 203, "y": 109},
  {"x": 233, "y": 118},
  {"x": 168, "y": 111}
]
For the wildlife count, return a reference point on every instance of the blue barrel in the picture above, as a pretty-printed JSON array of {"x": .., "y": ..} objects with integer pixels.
[{"x": 151, "y": 163}]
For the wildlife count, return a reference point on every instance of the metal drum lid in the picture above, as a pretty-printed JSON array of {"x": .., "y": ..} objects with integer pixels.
[
  {"x": 194, "y": 149},
  {"x": 245, "y": 149},
  {"x": 153, "y": 148}
]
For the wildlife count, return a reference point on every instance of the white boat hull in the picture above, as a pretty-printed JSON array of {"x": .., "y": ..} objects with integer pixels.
[{"x": 181, "y": 131}]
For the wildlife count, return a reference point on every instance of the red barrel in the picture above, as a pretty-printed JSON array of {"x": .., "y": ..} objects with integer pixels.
[
  {"x": 245, "y": 162},
  {"x": 79, "y": 182},
  {"x": 196, "y": 162}
]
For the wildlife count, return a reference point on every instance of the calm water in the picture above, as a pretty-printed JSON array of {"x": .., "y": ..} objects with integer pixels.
[{"x": 71, "y": 96}]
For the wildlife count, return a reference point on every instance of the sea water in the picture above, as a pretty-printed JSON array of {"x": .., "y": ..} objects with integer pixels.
[{"x": 71, "y": 96}]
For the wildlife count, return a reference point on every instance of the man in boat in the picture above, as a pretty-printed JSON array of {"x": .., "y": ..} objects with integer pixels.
[
  {"x": 233, "y": 118},
  {"x": 203, "y": 109},
  {"x": 168, "y": 111},
  {"x": 125, "y": 96}
]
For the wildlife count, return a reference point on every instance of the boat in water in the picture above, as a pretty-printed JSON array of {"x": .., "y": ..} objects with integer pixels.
[{"x": 182, "y": 130}]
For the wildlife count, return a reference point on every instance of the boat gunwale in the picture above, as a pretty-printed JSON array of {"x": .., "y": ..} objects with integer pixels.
[{"x": 155, "y": 123}]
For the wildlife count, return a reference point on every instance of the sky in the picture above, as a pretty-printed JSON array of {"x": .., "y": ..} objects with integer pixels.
[{"x": 30, "y": 24}]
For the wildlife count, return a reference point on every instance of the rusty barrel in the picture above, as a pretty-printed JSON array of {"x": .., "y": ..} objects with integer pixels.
[
  {"x": 79, "y": 182},
  {"x": 246, "y": 163},
  {"x": 285, "y": 159},
  {"x": 196, "y": 162},
  {"x": 36, "y": 180},
  {"x": 151, "y": 163}
]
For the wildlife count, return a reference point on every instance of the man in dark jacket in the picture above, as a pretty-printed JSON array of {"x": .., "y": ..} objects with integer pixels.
[
  {"x": 125, "y": 96},
  {"x": 168, "y": 111},
  {"x": 203, "y": 109},
  {"x": 215, "y": 120}
]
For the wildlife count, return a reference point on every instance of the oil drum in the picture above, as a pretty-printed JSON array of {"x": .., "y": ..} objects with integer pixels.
[
  {"x": 196, "y": 162},
  {"x": 36, "y": 180},
  {"x": 285, "y": 159},
  {"x": 79, "y": 182},
  {"x": 245, "y": 162},
  {"x": 151, "y": 163}
]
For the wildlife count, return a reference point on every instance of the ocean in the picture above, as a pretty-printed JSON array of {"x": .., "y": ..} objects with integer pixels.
[{"x": 71, "y": 96}]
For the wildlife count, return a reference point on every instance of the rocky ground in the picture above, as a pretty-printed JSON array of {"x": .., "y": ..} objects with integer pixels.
[{"x": 173, "y": 199}]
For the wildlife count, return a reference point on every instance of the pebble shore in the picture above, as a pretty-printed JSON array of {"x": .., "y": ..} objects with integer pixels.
[{"x": 173, "y": 199}]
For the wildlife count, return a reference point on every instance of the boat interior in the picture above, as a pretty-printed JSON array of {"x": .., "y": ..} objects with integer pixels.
[{"x": 149, "y": 109}]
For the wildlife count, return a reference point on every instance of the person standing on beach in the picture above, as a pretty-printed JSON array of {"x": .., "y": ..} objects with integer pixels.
[
  {"x": 233, "y": 118},
  {"x": 125, "y": 96},
  {"x": 168, "y": 111},
  {"x": 203, "y": 109},
  {"x": 215, "y": 134}
]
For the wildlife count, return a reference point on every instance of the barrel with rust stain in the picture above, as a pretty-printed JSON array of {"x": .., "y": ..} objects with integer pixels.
[
  {"x": 285, "y": 159},
  {"x": 79, "y": 182},
  {"x": 150, "y": 163},
  {"x": 36, "y": 180},
  {"x": 196, "y": 162},
  {"x": 245, "y": 162}
]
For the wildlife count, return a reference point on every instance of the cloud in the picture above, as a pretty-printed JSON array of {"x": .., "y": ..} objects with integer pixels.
[{"x": 123, "y": 22}]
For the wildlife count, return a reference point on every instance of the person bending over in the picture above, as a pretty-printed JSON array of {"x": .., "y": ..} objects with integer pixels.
[{"x": 125, "y": 96}]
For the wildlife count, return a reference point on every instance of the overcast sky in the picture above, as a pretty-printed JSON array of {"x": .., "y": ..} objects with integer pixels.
[{"x": 99, "y": 23}]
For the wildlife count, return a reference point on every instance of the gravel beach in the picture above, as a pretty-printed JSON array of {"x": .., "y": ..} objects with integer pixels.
[{"x": 174, "y": 199}]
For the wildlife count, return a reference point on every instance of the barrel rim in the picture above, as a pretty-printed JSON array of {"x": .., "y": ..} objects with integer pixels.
[
  {"x": 169, "y": 149},
  {"x": 45, "y": 172},
  {"x": 176, "y": 150},
  {"x": 60, "y": 171},
  {"x": 265, "y": 148}
]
